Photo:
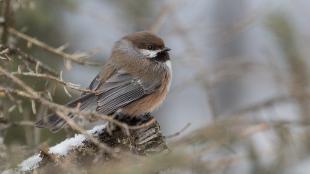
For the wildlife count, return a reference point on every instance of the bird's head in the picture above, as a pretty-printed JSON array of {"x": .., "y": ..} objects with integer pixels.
[{"x": 143, "y": 45}]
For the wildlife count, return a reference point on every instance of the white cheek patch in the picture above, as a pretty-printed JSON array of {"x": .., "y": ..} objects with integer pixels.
[
  {"x": 168, "y": 64},
  {"x": 149, "y": 53}
]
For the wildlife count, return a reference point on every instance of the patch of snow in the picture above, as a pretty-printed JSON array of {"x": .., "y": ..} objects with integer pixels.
[
  {"x": 64, "y": 147},
  {"x": 30, "y": 163},
  {"x": 97, "y": 129},
  {"x": 61, "y": 149}
]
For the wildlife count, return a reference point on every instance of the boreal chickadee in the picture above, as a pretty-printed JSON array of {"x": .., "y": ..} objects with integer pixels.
[{"x": 134, "y": 81}]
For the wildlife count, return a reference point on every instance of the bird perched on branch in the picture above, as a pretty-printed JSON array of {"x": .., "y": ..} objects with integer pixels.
[{"x": 133, "y": 82}]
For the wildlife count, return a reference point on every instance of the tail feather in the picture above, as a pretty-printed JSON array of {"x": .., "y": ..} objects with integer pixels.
[{"x": 54, "y": 122}]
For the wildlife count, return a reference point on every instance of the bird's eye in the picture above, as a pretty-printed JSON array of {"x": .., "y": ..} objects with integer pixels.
[{"x": 150, "y": 47}]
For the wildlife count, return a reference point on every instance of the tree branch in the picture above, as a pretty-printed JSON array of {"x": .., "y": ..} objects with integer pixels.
[
  {"x": 48, "y": 77},
  {"x": 77, "y": 58}
]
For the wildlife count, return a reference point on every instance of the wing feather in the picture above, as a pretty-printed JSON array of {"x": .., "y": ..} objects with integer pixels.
[
  {"x": 113, "y": 93},
  {"x": 120, "y": 90}
]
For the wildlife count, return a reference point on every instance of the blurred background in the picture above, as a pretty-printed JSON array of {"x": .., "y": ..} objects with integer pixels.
[{"x": 230, "y": 58}]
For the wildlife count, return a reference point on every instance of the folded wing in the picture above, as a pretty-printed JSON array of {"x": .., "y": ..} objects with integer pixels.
[{"x": 119, "y": 90}]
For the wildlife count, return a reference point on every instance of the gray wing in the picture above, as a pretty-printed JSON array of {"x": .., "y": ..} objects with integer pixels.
[
  {"x": 121, "y": 89},
  {"x": 87, "y": 101},
  {"x": 118, "y": 91}
]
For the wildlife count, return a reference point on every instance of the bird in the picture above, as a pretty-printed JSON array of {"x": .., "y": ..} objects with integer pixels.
[{"x": 134, "y": 81}]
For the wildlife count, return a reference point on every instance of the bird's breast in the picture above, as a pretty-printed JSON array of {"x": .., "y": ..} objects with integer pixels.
[{"x": 152, "y": 101}]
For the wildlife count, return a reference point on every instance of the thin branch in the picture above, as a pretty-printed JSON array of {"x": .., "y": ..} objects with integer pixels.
[
  {"x": 78, "y": 58},
  {"x": 180, "y": 131},
  {"x": 34, "y": 61},
  {"x": 48, "y": 77},
  {"x": 16, "y": 92},
  {"x": 74, "y": 126},
  {"x": 60, "y": 108}
]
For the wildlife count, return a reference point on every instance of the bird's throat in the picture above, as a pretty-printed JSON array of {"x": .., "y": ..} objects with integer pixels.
[{"x": 162, "y": 57}]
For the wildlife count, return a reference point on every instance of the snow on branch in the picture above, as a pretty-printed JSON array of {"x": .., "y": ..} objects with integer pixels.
[
  {"x": 80, "y": 150},
  {"x": 61, "y": 149}
]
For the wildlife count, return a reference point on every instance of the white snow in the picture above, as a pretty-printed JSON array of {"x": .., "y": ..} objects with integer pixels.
[
  {"x": 30, "y": 163},
  {"x": 64, "y": 147},
  {"x": 60, "y": 149},
  {"x": 97, "y": 129}
]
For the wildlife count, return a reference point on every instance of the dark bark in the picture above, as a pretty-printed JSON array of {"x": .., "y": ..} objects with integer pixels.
[{"x": 141, "y": 141}]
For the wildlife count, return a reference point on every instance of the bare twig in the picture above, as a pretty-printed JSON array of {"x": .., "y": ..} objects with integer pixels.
[
  {"x": 19, "y": 54},
  {"x": 16, "y": 92},
  {"x": 78, "y": 58},
  {"x": 36, "y": 62},
  {"x": 62, "y": 112},
  {"x": 48, "y": 77},
  {"x": 179, "y": 132},
  {"x": 60, "y": 108},
  {"x": 74, "y": 126}
]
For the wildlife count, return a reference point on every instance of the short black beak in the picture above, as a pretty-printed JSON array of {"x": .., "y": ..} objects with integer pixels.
[{"x": 166, "y": 49}]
